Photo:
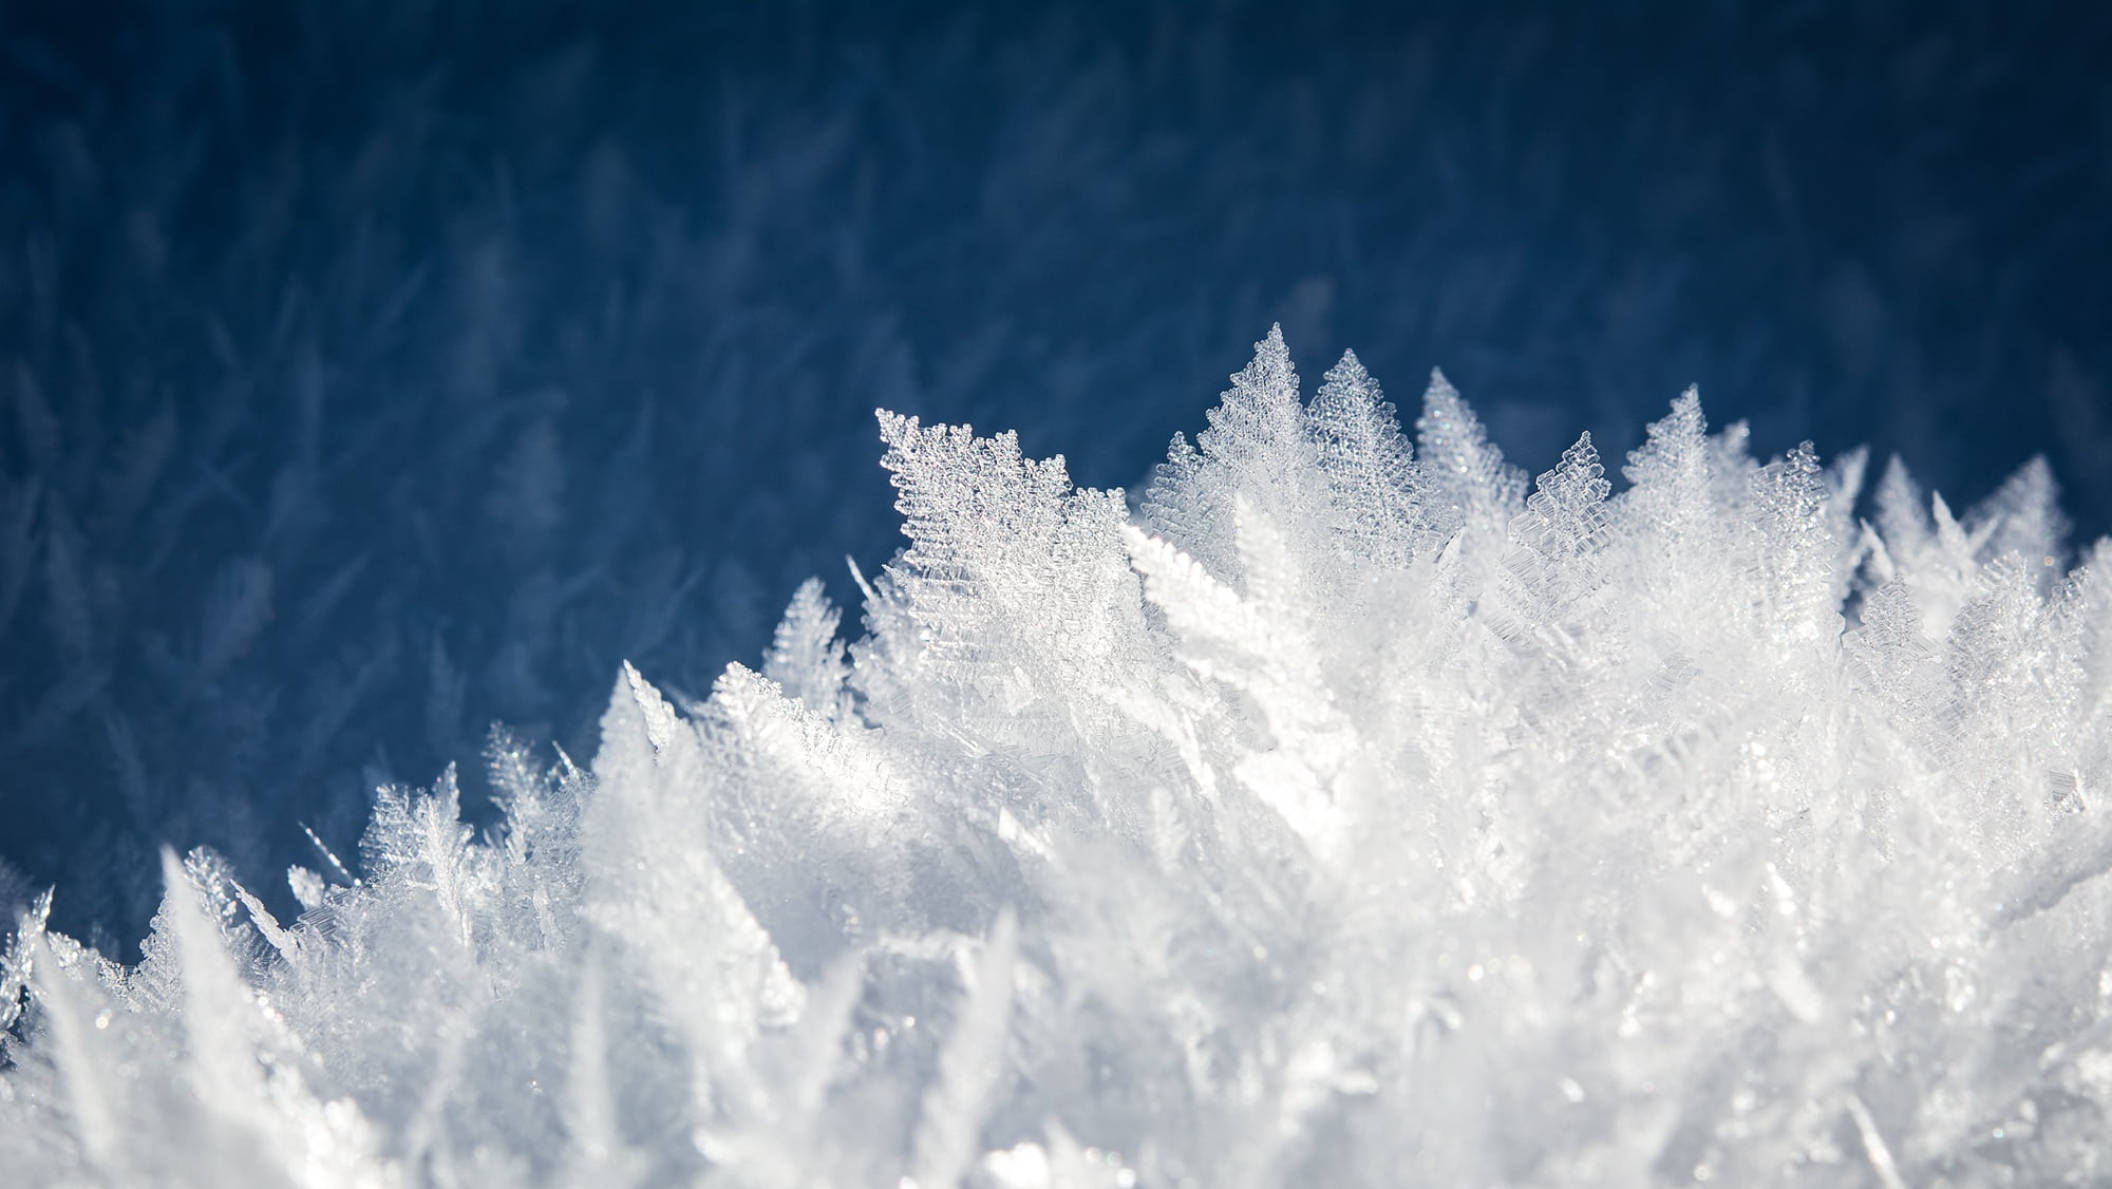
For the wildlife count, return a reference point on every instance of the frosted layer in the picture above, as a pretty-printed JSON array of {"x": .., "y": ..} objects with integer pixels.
[{"x": 1338, "y": 813}]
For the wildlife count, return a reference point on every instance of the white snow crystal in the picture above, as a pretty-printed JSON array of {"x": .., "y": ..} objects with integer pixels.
[{"x": 1349, "y": 814}]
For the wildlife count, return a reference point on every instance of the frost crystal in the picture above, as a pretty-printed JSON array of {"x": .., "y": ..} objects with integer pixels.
[{"x": 1351, "y": 814}]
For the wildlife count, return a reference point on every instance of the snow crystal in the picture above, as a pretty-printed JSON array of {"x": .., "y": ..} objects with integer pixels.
[{"x": 1350, "y": 813}]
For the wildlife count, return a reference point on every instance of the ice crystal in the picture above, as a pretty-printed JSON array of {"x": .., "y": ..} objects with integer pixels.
[{"x": 1350, "y": 813}]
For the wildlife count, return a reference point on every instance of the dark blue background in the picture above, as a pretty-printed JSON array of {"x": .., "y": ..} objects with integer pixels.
[{"x": 376, "y": 371}]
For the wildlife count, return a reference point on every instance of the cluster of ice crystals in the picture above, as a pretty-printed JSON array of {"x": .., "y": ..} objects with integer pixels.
[{"x": 1347, "y": 813}]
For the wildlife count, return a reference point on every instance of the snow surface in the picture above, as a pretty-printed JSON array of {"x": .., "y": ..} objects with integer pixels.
[{"x": 1339, "y": 813}]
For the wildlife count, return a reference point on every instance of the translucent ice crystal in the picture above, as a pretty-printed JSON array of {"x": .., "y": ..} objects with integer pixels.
[{"x": 1351, "y": 813}]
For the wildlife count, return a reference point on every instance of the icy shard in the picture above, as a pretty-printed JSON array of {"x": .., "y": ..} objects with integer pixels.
[{"x": 1354, "y": 813}]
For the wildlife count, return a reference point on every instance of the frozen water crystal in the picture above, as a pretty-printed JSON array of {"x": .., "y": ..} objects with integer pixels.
[{"x": 1351, "y": 813}]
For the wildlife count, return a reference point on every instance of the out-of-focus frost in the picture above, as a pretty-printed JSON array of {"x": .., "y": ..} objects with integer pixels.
[{"x": 1349, "y": 814}]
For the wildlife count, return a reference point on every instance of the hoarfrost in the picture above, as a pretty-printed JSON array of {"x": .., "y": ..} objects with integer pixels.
[{"x": 1351, "y": 814}]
